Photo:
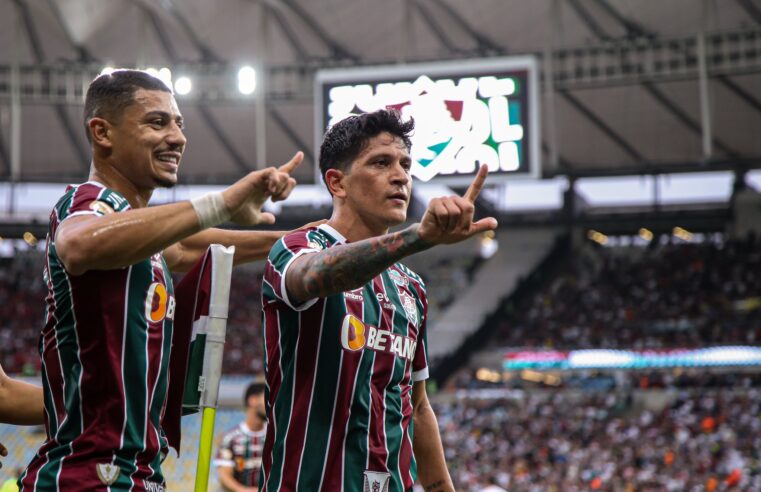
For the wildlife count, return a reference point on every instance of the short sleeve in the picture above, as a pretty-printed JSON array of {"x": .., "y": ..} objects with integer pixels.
[
  {"x": 225, "y": 455},
  {"x": 91, "y": 199},
  {"x": 420, "y": 360},
  {"x": 282, "y": 255}
]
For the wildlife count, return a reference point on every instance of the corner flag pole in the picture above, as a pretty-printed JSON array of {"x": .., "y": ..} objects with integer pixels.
[{"x": 222, "y": 261}]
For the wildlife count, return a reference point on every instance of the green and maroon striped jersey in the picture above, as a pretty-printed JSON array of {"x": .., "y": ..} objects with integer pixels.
[
  {"x": 339, "y": 377},
  {"x": 105, "y": 355}
]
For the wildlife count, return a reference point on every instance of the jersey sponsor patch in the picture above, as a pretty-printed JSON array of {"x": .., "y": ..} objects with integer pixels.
[
  {"x": 398, "y": 278},
  {"x": 315, "y": 245},
  {"x": 107, "y": 473},
  {"x": 158, "y": 303},
  {"x": 377, "y": 481},
  {"x": 101, "y": 208},
  {"x": 356, "y": 335},
  {"x": 153, "y": 486}
]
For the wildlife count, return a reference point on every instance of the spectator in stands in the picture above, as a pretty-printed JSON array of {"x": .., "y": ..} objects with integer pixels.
[{"x": 240, "y": 455}]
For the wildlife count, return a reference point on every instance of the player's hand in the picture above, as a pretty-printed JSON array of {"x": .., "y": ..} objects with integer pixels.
[
  {"x": 450, "y": 219},
  {"x": 3, "y": 452},
  {"x": 246, "y": 197}
]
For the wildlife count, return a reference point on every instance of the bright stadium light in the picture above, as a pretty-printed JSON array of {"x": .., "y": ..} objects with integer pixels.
[
  {"x": 183, "y": 85},
  {"x": 107, "y": 71},
  {"x": 247, "y": 80}
]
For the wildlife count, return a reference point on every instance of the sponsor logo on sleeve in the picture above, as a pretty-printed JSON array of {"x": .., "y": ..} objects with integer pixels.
[
  {"x": 101, "y": 208},
  {"x": 107, "y": 473}
]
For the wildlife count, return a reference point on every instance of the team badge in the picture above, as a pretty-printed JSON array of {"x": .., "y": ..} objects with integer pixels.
[
  {"x": 101, "y": 208},
  {"x": 408, "y": 303},
  {"x": 107, "y": 473},
  {"x": 398, "y": 278},
  {"x": 377, "y": 481},
  {"x": 315, "y": 245}
]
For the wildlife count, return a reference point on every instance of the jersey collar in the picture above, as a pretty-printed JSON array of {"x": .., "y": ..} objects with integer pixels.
[{"x": 340, "y": 239}]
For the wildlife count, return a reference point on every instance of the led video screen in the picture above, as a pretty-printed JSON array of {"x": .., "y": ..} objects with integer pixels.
[{"x": 466, "y": 113}]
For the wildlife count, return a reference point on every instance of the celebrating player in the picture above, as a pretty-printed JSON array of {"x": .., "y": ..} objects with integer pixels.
[
  {"x": 240, "y": 456},
  {"x": 106, "y": 343},
  {"x": 345, "y": 324}
]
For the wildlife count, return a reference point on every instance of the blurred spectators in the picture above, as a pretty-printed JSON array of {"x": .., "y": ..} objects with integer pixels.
[
  {"x": 601, "y": 441},
  {"x": 676, "y": 295}
]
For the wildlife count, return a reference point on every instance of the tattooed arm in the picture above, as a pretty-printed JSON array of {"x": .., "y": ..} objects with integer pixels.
[
  {"x": 426, "y": 444},
  {"x": 340, "y": 268},
  {"x": 349, "y": 266}
]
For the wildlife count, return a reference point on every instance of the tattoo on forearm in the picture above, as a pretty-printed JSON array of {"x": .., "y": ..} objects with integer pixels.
[
  {"x": 435, "y": 486},
  {"x": 350, "y": 266}
]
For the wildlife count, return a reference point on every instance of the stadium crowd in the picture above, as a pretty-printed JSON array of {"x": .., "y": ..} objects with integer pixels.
[
  {"x": 560, "y": 441},
  {"x": 675, "y": 295}
]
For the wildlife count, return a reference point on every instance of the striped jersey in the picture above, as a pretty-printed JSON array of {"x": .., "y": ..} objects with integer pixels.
[
  {"x": 241, "y": 450},
  {"x": 339, "y": 377},
  {"x": 105, "y": 356}
]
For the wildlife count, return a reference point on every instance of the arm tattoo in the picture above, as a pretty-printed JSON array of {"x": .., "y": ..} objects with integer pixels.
[
  {"x": 350, "y": 266},
  {"x": 435, "y": 486}
]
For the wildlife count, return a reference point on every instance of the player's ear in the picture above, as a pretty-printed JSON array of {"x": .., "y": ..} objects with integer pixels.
[
  {"x": 100, "y": 132},
  {"x": 334, "y": 181}
]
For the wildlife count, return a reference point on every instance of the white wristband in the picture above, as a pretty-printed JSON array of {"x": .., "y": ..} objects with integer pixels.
[{"x": 210, "y": 209}]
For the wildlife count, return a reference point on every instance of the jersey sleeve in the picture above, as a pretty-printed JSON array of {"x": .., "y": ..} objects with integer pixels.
[
  {"x": 225, "y": 452},
  {"x": 420, "y": 360},
  {"x": 282, "y": 255},
  {"x": 91, "y": 199}
]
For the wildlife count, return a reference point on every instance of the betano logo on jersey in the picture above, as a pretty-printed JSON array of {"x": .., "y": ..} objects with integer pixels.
[
  {"x": 356, "y": 335},
  {"x": 158, "y": 303}
]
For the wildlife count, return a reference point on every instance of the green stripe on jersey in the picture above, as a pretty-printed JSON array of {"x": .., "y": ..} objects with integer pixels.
[
  {"x": 323, "y": 396},
  {"x": 289, "y": 326}
]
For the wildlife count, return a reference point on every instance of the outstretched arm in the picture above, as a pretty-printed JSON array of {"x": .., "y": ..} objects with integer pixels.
[
  {"x": 340, "y": 268},
  {"x": 117, "y": 240}
]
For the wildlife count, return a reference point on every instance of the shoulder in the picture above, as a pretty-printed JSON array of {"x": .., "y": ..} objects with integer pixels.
[
  {"x": 399, "y": 272},
  {"x": 89, "y": 198}
]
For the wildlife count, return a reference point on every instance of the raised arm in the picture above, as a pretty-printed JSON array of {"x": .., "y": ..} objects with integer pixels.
[
  {"x": 345, "y": 267},
  {"x": 90, "y": 242}
]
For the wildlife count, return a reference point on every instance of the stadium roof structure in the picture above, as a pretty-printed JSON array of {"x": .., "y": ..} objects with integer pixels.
[{"x": 624, "y": 97}]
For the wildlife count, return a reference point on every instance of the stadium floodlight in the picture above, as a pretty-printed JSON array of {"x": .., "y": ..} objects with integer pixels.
[
  {"x": 108, "y": 70},
  {"x": 682, "y": 234},
  {"x": 247, "y": 80},
  {"x": 183, "y": 85},
  {"x": 646, "y": 234},
  {"x": 30, "y": 239}
]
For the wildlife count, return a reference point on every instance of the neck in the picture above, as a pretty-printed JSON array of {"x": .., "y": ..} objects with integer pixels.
[
  {"x": 354, "y": 227},
  {"x": 110, "y": 177},
  {"x": 253, "y": 422}
]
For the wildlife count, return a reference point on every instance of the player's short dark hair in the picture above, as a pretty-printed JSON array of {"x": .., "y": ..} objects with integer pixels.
[
  {"x": 345, "y": 140},
  {"x": 253, "y": 389},
  {"x": 110, "y": 94}
]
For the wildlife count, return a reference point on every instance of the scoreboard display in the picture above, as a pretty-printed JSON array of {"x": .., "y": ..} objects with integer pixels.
[{"x": 466, "y": 113}]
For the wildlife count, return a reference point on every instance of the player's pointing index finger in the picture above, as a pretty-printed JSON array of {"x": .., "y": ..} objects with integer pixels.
[
  {"x": 475, "y": 187},
  {"x": 289, "y": 166}
]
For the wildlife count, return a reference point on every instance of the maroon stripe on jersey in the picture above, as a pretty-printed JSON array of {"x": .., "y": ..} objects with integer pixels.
[
  {"x": 154, "y": 352},
  {"x": 307, "y": 347},
  {"x": 383, "y": 370},
  {"x": 347, "y": 380},
  {"x": 405, "y": 451},
  {"x": 85, "y": 194},
  {"x": 274, "y": 275},
  {"x": 103, "y": 412},
  {"x": 274, "y": 379}
]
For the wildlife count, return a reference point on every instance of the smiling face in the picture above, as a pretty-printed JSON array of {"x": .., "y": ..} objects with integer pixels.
[
  {"x": 147, "y": 141},
  {"x": 377, "y": 185}
]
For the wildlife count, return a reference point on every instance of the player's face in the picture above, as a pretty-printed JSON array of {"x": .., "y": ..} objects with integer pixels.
[
  {"x": 148, "y": 141},
  {"x": 378, "y": 183},
  {"x": 256, "y": 403}
]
